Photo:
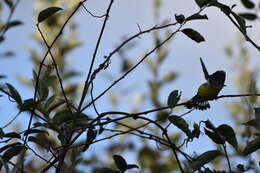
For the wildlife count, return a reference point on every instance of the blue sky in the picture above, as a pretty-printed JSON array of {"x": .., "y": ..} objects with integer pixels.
[{"x": 184, "y": 53}]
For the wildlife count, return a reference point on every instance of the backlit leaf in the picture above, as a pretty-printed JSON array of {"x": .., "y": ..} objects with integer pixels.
[
  {"x": 197, "y": 17},
  {"x": 214, "y": 136},
  {"x": 8, "y": 146},
  {"x": 194, "y": 35},
  {"x": 42, "y": 143},
  {"x": 252, "y": 146},
  {"x": 62, "y": 116},
  {"x": 13, "y": 24},
  {"x": 14, "y": 93},
  {"x": 179, "y": 18},
  {"x": 91, "y": 135},
  {"x": 248, "y": 4},
  {"x": 120, "y": 162},
  {"x": 9, "y": 3},
  {"x": 44, "y": 14},
  {"x": 31, "y": 131},
  {"x": 13, "y": 151},
  {"x": 205, "y": 158},
  {"x": 173, "y": 98},
  {"x": 131, "y": 166},
  {"x": 248, "y": 16},
  {"x": 181, "y": 124},
  {"x": 229, "y": 134},
  {"x": 12, "y": 135}
]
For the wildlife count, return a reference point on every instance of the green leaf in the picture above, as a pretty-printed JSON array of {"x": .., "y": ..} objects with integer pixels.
[
  {"x": 91, "y": 135},
  {"x": 13, "y": 151},
  {"x": 194, "y": 35},
  {"x": 257, "y": 113},
  {"x": 120, "y": 162},
  {"x": 14, "y": 93},
  {"x": 31, "y": 131},
  {"x": 8, "y": 53},
  {"x": 5, "y": 164},
  {"x": 202, "y": 3},
  {"x": 38, "y": 124},
  {"x": 169, "y": 76},
  {"x": 162, "y": 116},
  {"x": 254, "y": 123},
  {"x": 131, "y": 166},
  {"x": 2, "y": 133},
  {"x": 214, "y": 137},
  {"x": 12, "y": 135},
  {"x": 41, "y": 143},
  {"x": 173, "y": 98},
  {"x": 179, "y": 18},
  {"x": 56, "y": 105},
  {"x": 44, "y": 14},
  {"x": 13, "y": 24},
  {"x": 43, "y": 90},
  {"x": 148, "y": 156},
  {"x": 209, "y": 125},
  {"x": 2, "y": 76},
  {"x": 229, "y": 134},
  {"x": 27, "y": 105},
  {"x": 248, "y": 4},
  {"x": 205, "y": 158},
  {"x": 196, "y": 130},
  {"x": 49, "y": 101},
  {"x": 224, "y": 8},
  {"x": 248, "y": 16},
  {"x": 70, "y": 74},
  {"x": 62, "y": 116},
  {"x": 9, "y": 145},
  {"x": 252, "y": 146},
  {"x": 126, "y": 65},
  {"x": 181, "y": 124},
  {"x": 197, "y": 17},
  {"x": 9, "y": 3},
  {"x": 2, "y": 38}
]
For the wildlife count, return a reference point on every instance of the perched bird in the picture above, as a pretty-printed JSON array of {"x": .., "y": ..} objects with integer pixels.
[{"x": 207, "y": 91}]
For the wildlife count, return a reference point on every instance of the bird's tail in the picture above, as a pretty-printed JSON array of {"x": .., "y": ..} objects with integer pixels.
[{"x": 197, "y": 103}]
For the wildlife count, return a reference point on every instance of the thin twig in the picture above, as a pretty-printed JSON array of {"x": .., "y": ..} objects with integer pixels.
[
  {"x": 131, "y": 69},
  {"x": 56, "y": 69},
  {"x": 86, "y": 85},
  {"x": 92, "y": 97},
  {"x": 226, "y": 154},
  {"x": 12, "y": 120},
  {"x": 93, "y": 15},
  {"x": 105, "y": 64},
  {"x": 9, "y": 18}
]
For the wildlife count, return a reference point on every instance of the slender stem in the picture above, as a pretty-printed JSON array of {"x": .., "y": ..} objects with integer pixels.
[
  {"x": 131, "y": 69},
  {"x": 86, "y": 86},
  {"x": 56, "y": 69},
  {"x": 226, "y": 154}
]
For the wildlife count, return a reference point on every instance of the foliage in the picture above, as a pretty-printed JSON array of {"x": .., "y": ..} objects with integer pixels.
[{"x": 62, "y": 128}]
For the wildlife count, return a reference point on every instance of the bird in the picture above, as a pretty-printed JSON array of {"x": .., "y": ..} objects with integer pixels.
[{"x": 208, "y": 90}]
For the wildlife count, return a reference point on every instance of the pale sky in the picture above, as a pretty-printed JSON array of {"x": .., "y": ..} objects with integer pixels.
[{"x": 218, "y": 32}]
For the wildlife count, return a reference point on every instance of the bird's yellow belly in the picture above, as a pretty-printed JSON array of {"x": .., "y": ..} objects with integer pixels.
[{"x": 208, "y": 92}]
